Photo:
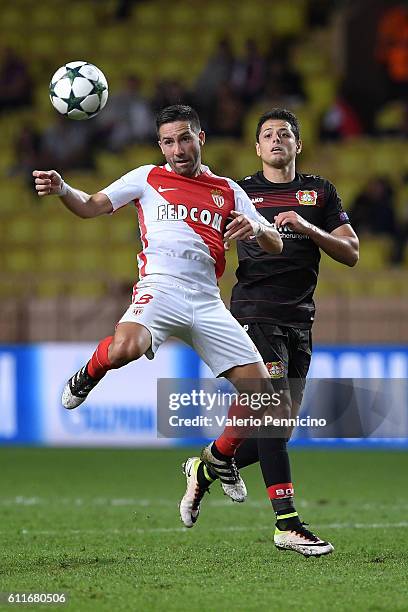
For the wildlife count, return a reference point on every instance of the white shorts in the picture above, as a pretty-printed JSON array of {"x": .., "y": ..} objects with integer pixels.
[{"x": 200, "y": 320}]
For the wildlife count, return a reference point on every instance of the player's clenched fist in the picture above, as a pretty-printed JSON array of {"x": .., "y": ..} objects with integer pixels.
[
  {"x": 293, "y": 220},
  {"x": 48, "y": 182}
]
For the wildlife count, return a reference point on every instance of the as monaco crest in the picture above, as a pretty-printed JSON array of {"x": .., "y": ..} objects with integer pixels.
[
  {"x": 307, "y": 198},
  {"x": 218, "y": 198}
]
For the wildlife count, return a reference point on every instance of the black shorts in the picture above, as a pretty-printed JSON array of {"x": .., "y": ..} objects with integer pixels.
[{"x": 287, "y": 352}]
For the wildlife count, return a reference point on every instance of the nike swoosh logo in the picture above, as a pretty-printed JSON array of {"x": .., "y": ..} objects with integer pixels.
[{"x": 161, "y": 189}]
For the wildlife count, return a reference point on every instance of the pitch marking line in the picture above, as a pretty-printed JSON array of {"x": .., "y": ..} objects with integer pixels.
[
  {"x": 142, "y": 530},
  {"x": 22, "y": 500}
]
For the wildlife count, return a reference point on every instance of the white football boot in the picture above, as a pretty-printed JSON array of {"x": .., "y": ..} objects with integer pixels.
[
  {"x": 190, "y": 503},
  {"x": 227, "y": 471},
  {"x": 302, "y": 541}
]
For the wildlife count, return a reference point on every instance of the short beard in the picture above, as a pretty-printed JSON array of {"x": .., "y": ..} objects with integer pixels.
[{"x": 188, "y": 171}]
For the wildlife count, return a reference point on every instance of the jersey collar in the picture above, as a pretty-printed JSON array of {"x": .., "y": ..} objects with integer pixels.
[{"x": 293, "y": 183}]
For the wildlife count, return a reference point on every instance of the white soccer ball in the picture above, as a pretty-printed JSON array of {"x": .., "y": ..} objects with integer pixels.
[{"x": 78, "y": 90}]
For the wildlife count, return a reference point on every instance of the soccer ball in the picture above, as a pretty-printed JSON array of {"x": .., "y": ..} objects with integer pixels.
[{"x": 78, "y": 90}]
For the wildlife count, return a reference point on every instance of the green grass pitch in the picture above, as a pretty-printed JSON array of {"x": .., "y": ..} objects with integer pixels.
[{"x": 103, "y": 526}]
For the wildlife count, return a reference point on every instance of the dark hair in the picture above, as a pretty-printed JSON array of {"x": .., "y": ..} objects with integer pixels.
[
  {"x": 178, "y": 112},
  {"x": 284, "y": 115}
]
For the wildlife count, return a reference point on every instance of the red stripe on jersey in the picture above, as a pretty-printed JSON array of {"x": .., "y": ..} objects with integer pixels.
[
  {"x": 214, "y": 242},
  {"x": 206, "y": 201},
  {"x": 286, "y": 198},
  {"x": 145, "y": 243}
]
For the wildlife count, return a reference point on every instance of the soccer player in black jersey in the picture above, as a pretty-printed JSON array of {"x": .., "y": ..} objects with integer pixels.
[{"x": 273, "y": 300}]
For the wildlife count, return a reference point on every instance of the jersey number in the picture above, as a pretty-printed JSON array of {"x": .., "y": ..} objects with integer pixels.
[{"x": 144, "y": 299}]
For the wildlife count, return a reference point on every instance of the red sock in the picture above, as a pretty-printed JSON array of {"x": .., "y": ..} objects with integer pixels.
[
  {"x": 234, "y": 435},
  {"x": 99, "y": 363},
  {"x": 227, "y": 445}
]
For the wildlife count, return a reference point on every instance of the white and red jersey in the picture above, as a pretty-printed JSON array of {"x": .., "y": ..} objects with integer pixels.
[{"x": 182, "y": 222}]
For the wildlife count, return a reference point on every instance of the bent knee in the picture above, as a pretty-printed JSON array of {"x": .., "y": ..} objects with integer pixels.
[{"x": 123, "y": 351}]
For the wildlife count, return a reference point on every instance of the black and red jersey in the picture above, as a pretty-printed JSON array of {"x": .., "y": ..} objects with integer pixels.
[{"x": 279, "y": 288}]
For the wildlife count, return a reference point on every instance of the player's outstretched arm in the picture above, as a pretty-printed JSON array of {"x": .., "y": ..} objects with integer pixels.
[
  {"x": 49, "y": 182},
  {"x": 242, "y": 228}
]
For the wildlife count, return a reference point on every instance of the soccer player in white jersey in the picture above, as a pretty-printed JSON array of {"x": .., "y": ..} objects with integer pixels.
[{"x": 185, "y": 215}]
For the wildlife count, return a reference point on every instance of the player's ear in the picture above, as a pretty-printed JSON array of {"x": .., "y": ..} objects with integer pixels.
[
  {"x": 298, "y": 147},
  {"x": 160, "y": 145},
  {"x": 258, "y": 149},
  {"x": 201, "y": 137}
]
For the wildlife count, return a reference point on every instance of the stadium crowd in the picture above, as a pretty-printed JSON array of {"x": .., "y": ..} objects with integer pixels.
[{"x": 226, "y": 90}]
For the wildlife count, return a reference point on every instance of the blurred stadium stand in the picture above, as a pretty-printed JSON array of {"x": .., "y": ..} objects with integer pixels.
[{"x": 64, "y": 278}]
